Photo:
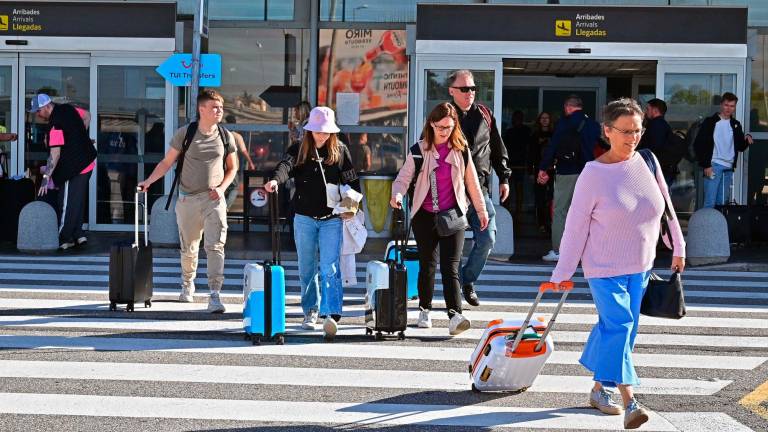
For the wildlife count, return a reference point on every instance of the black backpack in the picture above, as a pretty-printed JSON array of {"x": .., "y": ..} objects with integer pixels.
[
  {"x": 188, "y": 137},
  {"x": 674, "y": 152},
  {"x": 570, "y": 146}
]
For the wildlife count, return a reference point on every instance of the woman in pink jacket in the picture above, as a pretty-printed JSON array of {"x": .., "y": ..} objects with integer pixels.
[
  {"x": 447, "y": 175},
  {"x": 613, "y": 227}
]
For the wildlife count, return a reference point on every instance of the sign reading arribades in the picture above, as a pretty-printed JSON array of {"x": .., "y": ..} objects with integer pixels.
[
  {"x": 636, "y": 24},
  {"x": 87, "y": 19}
]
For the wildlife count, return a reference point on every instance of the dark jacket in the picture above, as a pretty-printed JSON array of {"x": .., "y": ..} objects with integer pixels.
[
  {"x": 517, "y": 141},
  {"x": 590, "y": 134},
  {"x": 705, "y": 140},
  {"x": 78, "y": 151},
  {"x": 657, "y": 139},
  {"x": 486, "y": 146},
  {"x": 309, "y": 198}
]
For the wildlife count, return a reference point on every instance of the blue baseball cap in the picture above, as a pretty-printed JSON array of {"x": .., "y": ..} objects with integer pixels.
[{"x": 38, "y": 101}]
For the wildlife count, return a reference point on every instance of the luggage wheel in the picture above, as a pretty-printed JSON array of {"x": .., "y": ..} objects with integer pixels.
[
  {"x": 280, "y": 340},
  {"x": 401, "y": 336},
  {"x": 247, "y": 336},
  {"x": 368, "y": 331},
  {"x": 475, "y": 389},
  {"x": 379, "y": 336},
  {"x": 129, "y": 307},
  {"x": 255, "y": 340},
  {"x": 148, "y": 304},
  {"x": 113, "y": 306},
  {"x": 518, "y": 391}
]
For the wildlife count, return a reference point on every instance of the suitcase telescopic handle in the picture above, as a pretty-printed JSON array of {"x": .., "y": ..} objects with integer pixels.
[
  {"x": 274, "y": 221},
  {"x": 565, "y": 287},
  {"x": 139, "y": 191}
]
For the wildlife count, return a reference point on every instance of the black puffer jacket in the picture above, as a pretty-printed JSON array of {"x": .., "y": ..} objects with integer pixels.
[
  {"x": 705, "y": 140},
  {"x": 309, "y": 199},
  {"x": 486, "y": 145}
]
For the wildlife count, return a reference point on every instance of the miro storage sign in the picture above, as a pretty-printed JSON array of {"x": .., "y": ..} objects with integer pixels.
[{"x": 87, "y": 19}]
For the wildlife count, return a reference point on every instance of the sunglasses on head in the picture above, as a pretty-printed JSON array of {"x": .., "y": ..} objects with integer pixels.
[{"x": 466, "y": 89}]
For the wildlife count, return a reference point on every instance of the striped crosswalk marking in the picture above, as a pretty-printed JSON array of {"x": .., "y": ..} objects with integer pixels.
[{"x": 56, "y": 331}]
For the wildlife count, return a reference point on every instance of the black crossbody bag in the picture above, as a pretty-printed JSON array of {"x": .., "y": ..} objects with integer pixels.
[{"x": 662, "y": 298}]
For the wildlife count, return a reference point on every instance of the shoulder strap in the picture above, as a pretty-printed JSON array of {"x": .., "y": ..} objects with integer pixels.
[
  {"x": 188, "y": 137},
  {"x": 581, "y": 125},
  {"x": 648, "y": 157},
  {"x": 418, "y": 161},
  {"x": 486, "y": 114}
]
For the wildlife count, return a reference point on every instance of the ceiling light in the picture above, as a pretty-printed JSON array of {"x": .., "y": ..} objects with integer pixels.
[
  {"x": 513, "y": 68},
  {"x": 627, "y": 69}
]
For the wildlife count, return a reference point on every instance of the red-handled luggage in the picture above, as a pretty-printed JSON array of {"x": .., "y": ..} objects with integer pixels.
[{"x": 511, "y": 353}]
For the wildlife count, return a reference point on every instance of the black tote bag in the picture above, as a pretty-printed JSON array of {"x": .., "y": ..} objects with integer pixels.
[{"x": 664, "y": 298}]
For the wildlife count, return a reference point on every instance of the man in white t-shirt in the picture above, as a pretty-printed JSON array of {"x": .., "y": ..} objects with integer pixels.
[{"x": 717, "y": 145}]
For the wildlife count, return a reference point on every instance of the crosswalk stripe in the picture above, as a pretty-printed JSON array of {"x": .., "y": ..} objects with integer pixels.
[
  {"x": 50, "y": 322},
  {"x": 318, "y": 377},
  {"x": 167, "y": 294},
  {"x": 360, "y": 350},
  {"x": 315, "y": 412},
  {"x": 358, "y": 310}
]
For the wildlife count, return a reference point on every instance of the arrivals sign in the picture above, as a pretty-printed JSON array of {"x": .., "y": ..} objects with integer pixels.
[
  {"x": 555, "y": 23},
  {"x": 87, "y": 19}
]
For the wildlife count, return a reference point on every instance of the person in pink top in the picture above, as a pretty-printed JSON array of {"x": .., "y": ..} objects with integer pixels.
[
  {"x": 446, "y": 176},
  {"x": 613, "y": 227}
]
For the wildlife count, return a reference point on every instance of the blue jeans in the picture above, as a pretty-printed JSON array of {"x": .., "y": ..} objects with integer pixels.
[
  {"x": 717, "y": 191},
  {"x": 608, "y": 351},
  {"x": 482, "y": 245},
  {"x": 320, "y": 286}
]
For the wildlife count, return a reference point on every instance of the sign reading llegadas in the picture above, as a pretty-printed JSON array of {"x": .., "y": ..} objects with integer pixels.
[
  {"x": 556, "y": 23},
  {"x": 87, "y": 19}
]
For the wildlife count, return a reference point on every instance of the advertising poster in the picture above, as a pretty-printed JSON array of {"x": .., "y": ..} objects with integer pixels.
[{"x": 372, "y": 63}]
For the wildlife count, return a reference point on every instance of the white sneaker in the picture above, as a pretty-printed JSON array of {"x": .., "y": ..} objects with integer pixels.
[
  {"x": 458, "y": 324},
  {"x": 552, "y": 256},
  {"x": 214, "y": 303},
  {"x": 82, "y": 240},
  {"x": 310, "y": 321},
  {"x": 424, "y": 320},
  {"x": 330, "y": 327},
  {"x": 187, "y": 295},
  {"x": 67, "y": 245}
]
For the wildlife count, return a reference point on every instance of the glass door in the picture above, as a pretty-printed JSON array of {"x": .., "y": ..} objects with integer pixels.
[
  {"x": 690, "y": 97},
  {"x": 66, "y": 79},
  {"x": 8, "y": 91},
  {"x": 131, "y": 130}
]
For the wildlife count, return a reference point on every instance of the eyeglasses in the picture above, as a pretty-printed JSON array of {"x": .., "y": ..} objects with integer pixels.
[
  {"x": 629, "y": 133},
  {"x": 466, "y": 89},
  {"x": 443, "y": 128}
]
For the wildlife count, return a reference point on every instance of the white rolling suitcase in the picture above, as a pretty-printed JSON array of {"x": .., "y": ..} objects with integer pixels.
[
  {"x": 508, "y": 359},
  {"x": 376, "y": 278}
]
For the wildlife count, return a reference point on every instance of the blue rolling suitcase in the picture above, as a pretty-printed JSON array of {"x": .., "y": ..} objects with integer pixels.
[{"x": 264, "y": 291}]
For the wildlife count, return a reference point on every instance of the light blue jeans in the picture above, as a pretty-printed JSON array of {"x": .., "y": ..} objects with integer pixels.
[
  {"x": 608, "y": 352},
  {"x": 320, "y": 285},
  {"x": 717, "y": 191},
  {"x": 482, "y": 245}
]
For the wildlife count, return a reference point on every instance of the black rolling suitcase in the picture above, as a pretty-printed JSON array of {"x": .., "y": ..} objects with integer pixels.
[
  {"x": 130, "y": 267},
  {"x": 391, "y": 304},
  {"x": 738, "y": 219},
  {"x": 759, "y": 222},
  {"x": 14, "y": 195}
]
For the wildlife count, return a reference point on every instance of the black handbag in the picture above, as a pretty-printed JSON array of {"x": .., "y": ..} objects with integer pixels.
[
  {"x": 664, "y": 298},
  {"x": 447, "y": 222}
]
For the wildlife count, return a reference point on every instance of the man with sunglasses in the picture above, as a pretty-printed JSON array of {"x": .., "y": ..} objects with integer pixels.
[
  {"x": 488, "y": 151},
  {"x": 571, "y": 147}
]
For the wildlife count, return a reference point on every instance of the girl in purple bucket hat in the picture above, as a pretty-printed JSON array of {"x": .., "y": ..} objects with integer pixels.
[{"x": 320, "y": 159}]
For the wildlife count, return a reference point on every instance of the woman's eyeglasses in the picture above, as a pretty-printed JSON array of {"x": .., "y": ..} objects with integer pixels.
[
  {"x": 629, "y": 133},
  {"x": 442, "y": 128},
  {"x": 466, "y": 89}
]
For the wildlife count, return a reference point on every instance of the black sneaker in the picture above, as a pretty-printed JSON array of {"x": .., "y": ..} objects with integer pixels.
[{"x": 470, "y": 295}]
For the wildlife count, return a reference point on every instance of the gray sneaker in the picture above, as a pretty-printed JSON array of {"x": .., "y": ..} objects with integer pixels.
[
  {"x": 214, "y": 304},
  {"x": 602, "y": 400},
  {"x": 330, "y": 327},
  {"x": 424, "y": 320},
  {"x": 186, "y": 295},
  {"x": 458, "y": 324},
  {"x": 635, "y": 415},
  {"x": 310, "y": 321}
]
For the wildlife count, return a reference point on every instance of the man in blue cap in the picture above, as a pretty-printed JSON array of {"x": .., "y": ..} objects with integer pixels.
[{"x": 69, "y": 166}]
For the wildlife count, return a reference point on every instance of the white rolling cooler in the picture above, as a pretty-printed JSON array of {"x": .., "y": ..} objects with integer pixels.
[{"x": 511, "y": 353}]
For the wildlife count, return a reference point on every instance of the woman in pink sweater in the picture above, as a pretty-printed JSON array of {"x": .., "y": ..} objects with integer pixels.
[
  {"x": 447, "y": 175},
  {"x": 613, "y": 227}
]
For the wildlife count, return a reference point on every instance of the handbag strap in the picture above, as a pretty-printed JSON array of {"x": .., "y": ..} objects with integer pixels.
[
  {"x": 665, "y": 218},
  {"x": 433, "y": 191},
  {"x": 320, "y": 162}
]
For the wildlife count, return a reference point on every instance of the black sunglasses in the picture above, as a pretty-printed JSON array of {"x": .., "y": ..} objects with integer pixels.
[{"x": 466, "y": 89}]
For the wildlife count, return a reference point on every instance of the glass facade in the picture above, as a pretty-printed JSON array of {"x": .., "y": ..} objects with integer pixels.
[{"x": 253, "y": 10}]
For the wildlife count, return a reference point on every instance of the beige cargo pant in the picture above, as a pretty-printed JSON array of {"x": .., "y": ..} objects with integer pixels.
[{"x": 197, "y": 215}]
